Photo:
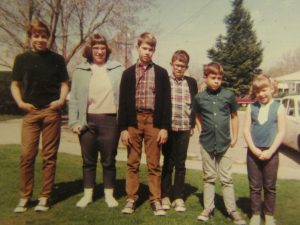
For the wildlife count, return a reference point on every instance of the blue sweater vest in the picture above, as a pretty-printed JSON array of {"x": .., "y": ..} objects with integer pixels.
[{"x": 263, "y": 135}]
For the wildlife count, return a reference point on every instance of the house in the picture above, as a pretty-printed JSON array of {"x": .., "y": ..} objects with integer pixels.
[{"x": 289, "y": 84}]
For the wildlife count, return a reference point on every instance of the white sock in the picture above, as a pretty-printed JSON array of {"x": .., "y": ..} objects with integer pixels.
[
  {"x": 270, "y": 220},
  {"x": 255, "y": 220},
  {"x": 109, "y": 198},
  {"x": 86, "y": 199}
]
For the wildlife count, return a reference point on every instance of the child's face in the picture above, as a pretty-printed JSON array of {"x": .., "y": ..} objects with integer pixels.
[
  {"x": 99, "y": 54},
  {"x": 213, "y": 81},
  {"x": 178, "y": 68},
  {"x": 145, "y": 52},
  {"x": 39, "y": 41},
  {"x": 264, "y": 95}
]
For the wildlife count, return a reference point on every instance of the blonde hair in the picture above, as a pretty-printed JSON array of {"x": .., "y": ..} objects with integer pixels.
[
  {"x": 261, "y": 81},
  {"x": 147, "y": 38}
]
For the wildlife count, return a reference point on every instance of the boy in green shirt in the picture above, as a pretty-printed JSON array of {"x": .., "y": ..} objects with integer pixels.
[{"x": 216, "y": 112}]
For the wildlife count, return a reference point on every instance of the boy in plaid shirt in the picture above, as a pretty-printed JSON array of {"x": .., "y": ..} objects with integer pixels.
[{"x": 183, "y": 89}]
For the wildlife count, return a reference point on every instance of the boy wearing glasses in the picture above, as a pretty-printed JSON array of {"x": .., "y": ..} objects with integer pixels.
[{"x": 183, "y": 89}]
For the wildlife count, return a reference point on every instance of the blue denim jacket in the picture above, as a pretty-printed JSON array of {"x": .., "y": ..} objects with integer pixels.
[{"x": 80, "y": 89}]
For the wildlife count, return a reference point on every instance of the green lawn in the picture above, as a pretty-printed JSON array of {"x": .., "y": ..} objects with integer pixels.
[{"x": 68, "y": 189}]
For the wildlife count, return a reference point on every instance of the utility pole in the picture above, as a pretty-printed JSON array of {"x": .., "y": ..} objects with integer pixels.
[{"x": 127, "y": 43}]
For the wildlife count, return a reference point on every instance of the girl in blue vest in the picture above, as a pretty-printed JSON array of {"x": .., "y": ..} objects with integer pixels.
[{"x": 264, "y": 131}]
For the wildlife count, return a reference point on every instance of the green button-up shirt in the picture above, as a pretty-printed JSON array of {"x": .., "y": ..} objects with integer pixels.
[{"x": 215, "y": 108}]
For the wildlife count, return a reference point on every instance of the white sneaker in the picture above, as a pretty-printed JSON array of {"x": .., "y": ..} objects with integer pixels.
[
  {"x": 166, "y": 203},
  {"x": 43, "y": 205},
  {"x": 206, "y": 214},
  {"x": 129, "y": 207},
  {"x": 179, "y": 205},
  {"x": 22, "y": 205},
  {"x": 157, "y": 209}
]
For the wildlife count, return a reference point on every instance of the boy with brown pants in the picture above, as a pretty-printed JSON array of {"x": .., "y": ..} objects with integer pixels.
[{"x": 144, "y": 116}]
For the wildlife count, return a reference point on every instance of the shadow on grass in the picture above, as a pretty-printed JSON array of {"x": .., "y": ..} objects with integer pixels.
[
  {"x": 188, "y": 190},
  {"x": 65, "y": 190},
  {"x": 243, "y": 204}
]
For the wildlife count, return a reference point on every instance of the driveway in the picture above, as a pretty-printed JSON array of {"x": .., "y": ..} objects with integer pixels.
[{"x": 289, "y": 167}]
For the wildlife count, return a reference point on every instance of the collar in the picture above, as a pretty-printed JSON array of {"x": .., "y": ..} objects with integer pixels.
[
  {"x": 266, "y": 105},
  {"x": 110, "y": 65},
  {"x": 213, "y": 92},
  {"x": 176, "y": 79},
  {"x": 145, "y": 67}
]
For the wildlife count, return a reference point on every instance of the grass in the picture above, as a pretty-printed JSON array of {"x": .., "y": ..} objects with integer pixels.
[
  {"x": 68, "y": 189},
  {"x": 4, "y": 117}
]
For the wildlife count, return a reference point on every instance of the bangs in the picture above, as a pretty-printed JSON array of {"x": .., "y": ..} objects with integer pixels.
[
  {"x": 98, "y": 41},
  {"x": 39, "y": 30},
  {"x": 260, "y": 82}
]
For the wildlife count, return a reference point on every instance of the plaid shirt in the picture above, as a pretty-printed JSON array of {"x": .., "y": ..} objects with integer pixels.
[
  {"x": 145, "y": 87},
  {"x": 181, "y": 104}
]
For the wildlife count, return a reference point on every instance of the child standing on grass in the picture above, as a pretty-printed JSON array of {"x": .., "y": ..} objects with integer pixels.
[
  {"x": 216, "y": 111},
  {"x": 183, "y": 90},
  {"x": 264, "y": 131}
]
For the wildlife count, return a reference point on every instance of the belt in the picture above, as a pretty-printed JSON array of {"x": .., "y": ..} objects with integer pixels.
[{"x": 144, "y": 111}]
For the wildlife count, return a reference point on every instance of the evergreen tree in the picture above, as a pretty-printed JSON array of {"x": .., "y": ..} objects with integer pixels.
[{"x": 239, "y": 52}]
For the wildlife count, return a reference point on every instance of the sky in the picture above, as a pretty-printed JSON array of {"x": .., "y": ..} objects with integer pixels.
[{"x": 194, "y": 25}]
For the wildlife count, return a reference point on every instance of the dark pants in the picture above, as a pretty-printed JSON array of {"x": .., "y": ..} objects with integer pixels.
[
  {"x": 101, "y": 135},
  {"x": 262, "y": 175},
  {"x": 175, "y": 152}
]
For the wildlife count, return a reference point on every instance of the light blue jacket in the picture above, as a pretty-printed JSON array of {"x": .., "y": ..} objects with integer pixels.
[{"x": 80, "y": 89}]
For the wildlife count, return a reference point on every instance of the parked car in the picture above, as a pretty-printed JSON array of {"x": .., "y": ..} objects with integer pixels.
[
  {"x": 292, "y": 136},
  {"x": 244, "y": 101}
]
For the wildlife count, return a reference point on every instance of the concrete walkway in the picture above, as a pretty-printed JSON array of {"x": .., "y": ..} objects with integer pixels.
[{"x": 289, "y": 160}]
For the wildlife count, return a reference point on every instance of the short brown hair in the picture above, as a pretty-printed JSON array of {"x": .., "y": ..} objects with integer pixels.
[
  {"x": 37, "y": 26},
  {"x": 95, "y": 39},
  {"x": 213, "y": 68},
  {"x": 261, "y": 81},
  {"x": 147, "y": 38},
  {"x": 181, "y": 56}
]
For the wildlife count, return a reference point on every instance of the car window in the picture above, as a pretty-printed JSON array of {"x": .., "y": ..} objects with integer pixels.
[
  {"x": 291, "y": 108},
  {"x": 285, "y": 103}
]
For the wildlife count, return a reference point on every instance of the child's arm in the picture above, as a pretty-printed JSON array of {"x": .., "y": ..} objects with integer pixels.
[
  {"x": 235, "y": 128},
  {"x": 281, "y": 123},
  {"x": 199, "y": 124},
  {"x": 247, "y": 134}
]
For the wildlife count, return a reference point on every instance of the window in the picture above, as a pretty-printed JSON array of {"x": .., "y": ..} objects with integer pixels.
[{"x": 291, "y": 108}]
